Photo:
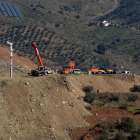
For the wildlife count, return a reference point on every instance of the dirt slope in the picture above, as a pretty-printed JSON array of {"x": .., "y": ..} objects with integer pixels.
[
  {"x": 45, "y": 107},
  {"x": 21, "y": 65},
  {"x": 49, "y": 107},
  {"x": 107, "y": 83},
  {"x": 40, "y": 107}
]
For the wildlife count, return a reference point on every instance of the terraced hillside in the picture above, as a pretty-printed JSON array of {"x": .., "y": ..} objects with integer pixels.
[{"x": 64, "y": 31}]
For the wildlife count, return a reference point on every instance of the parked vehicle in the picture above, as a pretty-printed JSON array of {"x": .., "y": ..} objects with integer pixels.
[
  {"x": 126, "y": 72},
  {"x": 77, "y": 71},
  {"x": 93, "y": 70},
  {"x": 41, "y": 70},
  {"x": 69, "y": 69}
]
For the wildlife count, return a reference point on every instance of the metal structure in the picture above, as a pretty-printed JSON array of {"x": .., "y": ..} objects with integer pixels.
[
  {"x": 89, "y": 61},
  {"x": 10, "y": 10},
  {"x": 11, "y": 56}
]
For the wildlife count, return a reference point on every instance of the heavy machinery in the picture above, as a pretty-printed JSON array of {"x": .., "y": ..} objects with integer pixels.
[
  {"x": 101, "y": 71},
  {"x": 41, "y": 70},
  {"x": 108, "y": 71},
  {"x": 69, "y": 69},
  {"x": 94, "y": 71}
]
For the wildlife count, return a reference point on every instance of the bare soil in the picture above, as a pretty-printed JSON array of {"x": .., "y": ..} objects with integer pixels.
[{"x": 51, "y": 107}]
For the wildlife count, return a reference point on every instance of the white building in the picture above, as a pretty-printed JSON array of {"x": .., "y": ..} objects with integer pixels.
[{"x": 105, "y": 23}]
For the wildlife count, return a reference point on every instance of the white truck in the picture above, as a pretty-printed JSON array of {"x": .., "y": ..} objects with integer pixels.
[{"x": 49, "y": 71}]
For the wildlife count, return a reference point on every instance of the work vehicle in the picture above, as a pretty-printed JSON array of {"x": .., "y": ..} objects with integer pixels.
[
  {"x": 69, "y": 69},
  {"x": 126, "y": 72},
  {"x": 93, "y": 71},
  {"x": 108, "y": 71},
  {"x": 101, "y": 71},
  {"x": 77, "y": 71},
  {"x": 49, "y": 71},
  {"x": 41, "y": 70}
]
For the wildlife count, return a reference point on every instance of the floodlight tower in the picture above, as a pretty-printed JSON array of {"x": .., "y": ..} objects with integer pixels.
[{"x": 11, "y": 56}]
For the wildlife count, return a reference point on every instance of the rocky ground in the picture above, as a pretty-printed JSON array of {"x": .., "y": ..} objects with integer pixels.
[{"x": 51, "y": 107}]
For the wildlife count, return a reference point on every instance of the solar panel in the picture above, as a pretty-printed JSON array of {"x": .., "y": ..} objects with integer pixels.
[
  {"x": 17, "y": 10},
  {"x": 5, "y": 14},
  {"x": 17, "y": 17},
  {"x": 7, "y": 9},
  {"x": 2, "y": 8},
  {"x": 12, "y": 9}
]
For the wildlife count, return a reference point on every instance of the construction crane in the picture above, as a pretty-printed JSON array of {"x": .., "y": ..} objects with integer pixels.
[{"x": 42, "y": 70}]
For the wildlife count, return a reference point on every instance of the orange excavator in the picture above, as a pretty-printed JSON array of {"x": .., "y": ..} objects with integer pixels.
[
  {"x": 93, "y": 70},
  {"x": 42, "y": 70},
  {"x": 69, "y": 68}
]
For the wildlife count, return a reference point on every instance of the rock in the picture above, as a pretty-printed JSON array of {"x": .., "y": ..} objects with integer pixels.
[
  {"x": 95, "y": 114},
  {"x": 42, "y": 94},
  {"x": 63, "y": 102},
  {"x": 27, "y": 83},
  {"x": 71, "y": 104}
]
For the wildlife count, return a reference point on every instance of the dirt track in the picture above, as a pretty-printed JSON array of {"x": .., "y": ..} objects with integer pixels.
[{"x": 51, "y": 107}]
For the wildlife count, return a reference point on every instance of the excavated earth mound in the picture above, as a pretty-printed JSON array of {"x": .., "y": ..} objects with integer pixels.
[{"x": 51, "y": 107}]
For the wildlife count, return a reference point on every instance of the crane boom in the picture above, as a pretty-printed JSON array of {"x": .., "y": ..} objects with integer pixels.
[{"x": 37, "y": 53}]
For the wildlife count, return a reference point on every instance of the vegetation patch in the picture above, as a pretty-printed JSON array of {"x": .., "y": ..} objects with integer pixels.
[
  {"x": 133, "y": 109},
  {"x": 135, "y": 88},
  {"x": 127, "y": 130},
  {"x": 88, "y": 88},
  {"x": 89, "y": 97}
]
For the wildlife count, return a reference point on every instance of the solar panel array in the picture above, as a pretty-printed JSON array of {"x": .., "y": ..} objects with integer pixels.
[{"x": 10, "y": 10}]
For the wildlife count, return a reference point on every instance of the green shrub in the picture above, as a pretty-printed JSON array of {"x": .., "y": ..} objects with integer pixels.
[
  {"x": 101, "y": 49},
  {"x": 60, "y": 12},
  {"x": 135, "y": 134},
  {"x": 104, "y": 124},
  {"x": 114, "y": 98},
  {"x": 127, "y": 124},
  {"x": 88, "y": 88},
  {"x": 133, "y": 97},
  {"x": 77, "y": 16},
  {"x": 120, "y": 136},
  {"x": 89, "y": 97},
  {"x": 103, "y": 136},
  {"x": 57, "y": 25},
  {"x": 89, "y": 107},
  {"x": 135, "y": 88},
  {"x": 124, "y": 106}
]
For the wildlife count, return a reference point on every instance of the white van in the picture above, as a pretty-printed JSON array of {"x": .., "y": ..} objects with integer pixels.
[{"x": 77, "y": 71}]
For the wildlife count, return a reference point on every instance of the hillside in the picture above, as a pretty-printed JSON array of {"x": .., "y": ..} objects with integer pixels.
[
  {"x": 64, "y": 31},
  {"x": 51, "y": 107},
  {"x": 127, "y": 10}
]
